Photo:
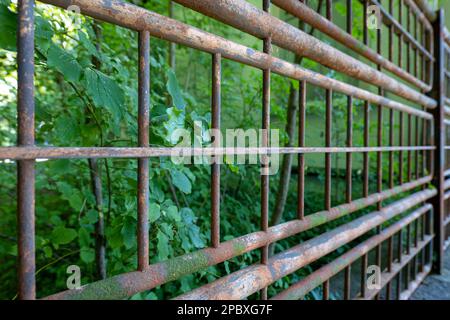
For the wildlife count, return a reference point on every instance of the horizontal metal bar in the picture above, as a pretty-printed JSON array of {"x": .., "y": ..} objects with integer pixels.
[
  {"x": 245, "y": 282},
  {"x": 239, "y": 13},
  {"x": 308, "y": 15},
  {"x": 29, "y": 153},
  {"x": 315, "y": 279},
  {"x": 127, "y": 284},
  {"x": 136, "y": 18}
]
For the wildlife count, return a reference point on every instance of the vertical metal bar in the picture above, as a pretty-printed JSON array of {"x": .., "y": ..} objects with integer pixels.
[
  {"x": 416, "y": 58},
  {"x": 173, "y": 45},
  {"x": 330, "y": 10},
  {"x": 328, "y": 123},
  {"x": 100, "y": 249},
  {"x": 400, "y": 154},
  {"x": 408, "y": 45},
  {"x": 400, "y": 35},
  {"x": 350, "y": 17},
  {"x": 417, "y": 143},
  {"x": 366, "y": 154},
  {"x": 26, "y": 168},
  {"x": 364, "y": 262},
  {"x": 326, "y": 290},
  {"x": 265, "y": 143},
  {"x": 439, "y": 140},
  {"x": 365, "y": 28},
  {"x": 349, "y": 158},
  {"x": 389, "y": 263},
  {"x": 391, "y": 143},
  {"x": 215, "y": 167},
  {"x": 347, "y": 282},
  {"x": 380, "y": 154},
  {"x": 409, "y": 172},
  {"x": 408, "y": 251},
  {"x": 144, "y": 142},
  {"x": 399, "y": 285},
  {"x": 301, "y": 157},
  {"x": 391, "y": 34}
]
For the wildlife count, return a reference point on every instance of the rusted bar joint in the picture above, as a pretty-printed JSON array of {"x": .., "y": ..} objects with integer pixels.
[
  {"x": 282, "y": 34},
  {"x": 312, "y": 281},
  {"x": 243, "y": 283},
  {"x": 127, "y": 284}
]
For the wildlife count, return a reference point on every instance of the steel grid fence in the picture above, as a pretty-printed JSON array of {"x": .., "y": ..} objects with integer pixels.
[{"x": 409, "y": 88}]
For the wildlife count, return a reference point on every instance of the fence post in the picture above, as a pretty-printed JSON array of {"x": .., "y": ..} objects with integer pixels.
[{"x": 439, "y": 142}]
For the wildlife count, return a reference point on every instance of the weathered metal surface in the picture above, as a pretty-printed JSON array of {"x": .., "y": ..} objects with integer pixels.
[
  {"x": 238, "y": 13},
  {"x": 27, "y": 153},
  {"x": 426, "y": 9},
  {"x": 439, "y": 140},
  {"x": 243, "y": 283},
  {"x": 144, "y": 142},
  {"x": 312, "y": 281},
  {"x": 303, "y": 12},
  {"x": 215, "y": 168},
  {"x": 26, "y": 169},
  {"x": 260, "y": 23},
  {"x": 173, "y": 269}
]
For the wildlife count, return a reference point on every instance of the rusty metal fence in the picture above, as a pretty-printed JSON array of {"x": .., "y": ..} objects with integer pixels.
[{"x": 408, "y": 90}]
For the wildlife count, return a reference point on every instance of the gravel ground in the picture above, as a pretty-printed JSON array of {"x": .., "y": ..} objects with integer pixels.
[{"x": 435, "y": 287}]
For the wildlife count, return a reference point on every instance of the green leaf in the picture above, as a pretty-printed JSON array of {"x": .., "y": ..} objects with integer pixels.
[
  {"x": 129, "y": 233},
  {"x": 181, "y": 181},
  {"x": 162, "y": 246},
  {"x": 92, "y": 216},
  {"x": 175, "y": 121},
  {"x": 64, "y": 62},
  {"x": 172, "y": 213},
  {"x": 105, "y": 92},
  {"x": 83, "y": 237},
  {"x": 8, "y": 27},
  {"x": 72, "y": 195},
  {"x": 87, "y": 44},
  {"x": 87, "y": 255},
  {"x": 44, "y": 34},
  {"x": 48, "y": 252},
  {"x": 174, "y": 91},
  {"x": 154, "y": 212},
  {"x": 63, "y": 235}
]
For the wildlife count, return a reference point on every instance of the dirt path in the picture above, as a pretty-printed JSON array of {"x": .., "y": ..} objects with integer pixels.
[{"x": 435, "y": 287}]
